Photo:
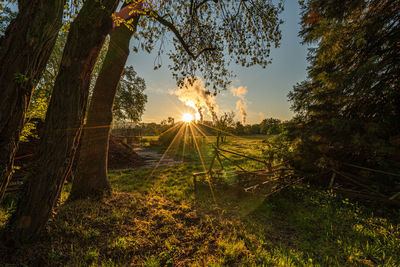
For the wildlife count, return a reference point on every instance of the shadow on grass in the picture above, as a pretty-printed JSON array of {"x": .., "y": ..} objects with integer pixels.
[
  {"x": 160, "y": 220},
  {"x": 306, "y": 226}
]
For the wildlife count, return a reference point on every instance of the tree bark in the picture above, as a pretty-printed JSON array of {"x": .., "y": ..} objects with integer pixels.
[
  {"x": 64, "y": 119},
  {"x": 90, "y": 176},
  {"x": 24, "y": 51}
]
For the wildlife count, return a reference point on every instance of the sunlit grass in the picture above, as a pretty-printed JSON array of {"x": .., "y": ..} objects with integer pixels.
[{"x": 162, "y": 220}]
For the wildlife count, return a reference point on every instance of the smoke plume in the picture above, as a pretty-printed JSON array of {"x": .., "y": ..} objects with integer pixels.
[
  {"x": 194, "y": 94},
  {"x": 241, "y": 104}
]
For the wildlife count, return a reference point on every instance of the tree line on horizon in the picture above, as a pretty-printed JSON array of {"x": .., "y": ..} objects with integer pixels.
[{"x": 268, "y": 126}]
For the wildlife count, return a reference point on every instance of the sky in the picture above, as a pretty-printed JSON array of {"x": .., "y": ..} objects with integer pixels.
[{"x": 267, "y": 88}]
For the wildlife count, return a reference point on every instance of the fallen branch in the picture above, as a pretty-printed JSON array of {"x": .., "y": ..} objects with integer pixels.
[
  {"x": 358, "y": 183},
  {"x": 370, "y": 197},
  {"x": 241, "y": 155},
  {"x": 372, "y": 170}
]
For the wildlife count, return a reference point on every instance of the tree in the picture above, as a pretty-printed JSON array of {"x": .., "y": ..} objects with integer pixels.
[
  {"x": 41, "y": 94},
  {"x": 52, "y": 162},
  {"x": 348, "y": 110},
  {"x": 200, "y": 35},
  {"x": 224, "y": 123},
  {"x": 208, "y": 35},
  {"x": 270, "y": 126},
  {"x": 130, "y": 100},
  {"x": 204, "y": 31},
  {"x": 24, "y": 50},
  {"x": 43, "y": 90},
  {"x": 239, "y": 128},
  {"x": 90, "y": 180},
  {"x": 171, "y": 120},
  {"x": 255, "y": 129}
]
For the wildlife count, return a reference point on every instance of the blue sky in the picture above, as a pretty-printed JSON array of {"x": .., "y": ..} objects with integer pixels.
[{"x": 267, "y": 88}]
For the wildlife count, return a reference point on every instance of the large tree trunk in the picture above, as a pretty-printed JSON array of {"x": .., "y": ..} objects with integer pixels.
[
  {"x": 24, "y": 51},
  {"x": 64, "y": 119},
  {"x": 90, "y": 176}
]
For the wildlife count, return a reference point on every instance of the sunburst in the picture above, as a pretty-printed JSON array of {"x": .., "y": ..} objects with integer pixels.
[{"x": 187, "y": 117}]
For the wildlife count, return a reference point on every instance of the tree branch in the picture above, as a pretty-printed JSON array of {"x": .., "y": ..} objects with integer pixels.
[
  {"x": 127, "y": 12},
  {"x": 172, "y": 28}
]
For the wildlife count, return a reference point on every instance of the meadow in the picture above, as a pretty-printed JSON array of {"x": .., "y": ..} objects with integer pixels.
[{"x": 155, "y": 217}]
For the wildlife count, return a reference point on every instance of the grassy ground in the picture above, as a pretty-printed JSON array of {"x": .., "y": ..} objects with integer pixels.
[{"x": 157, "y": 219}]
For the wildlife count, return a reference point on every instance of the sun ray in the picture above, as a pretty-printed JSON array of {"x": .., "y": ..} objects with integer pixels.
[
  {"x": 184, "y": 142},
  {"x": 225, "y": 132},
  {"x": 179, "y": 133},
  {"x": 172, "y": 128},
  {"x": 202, "y": 133},
  {"x": 204, "y": 167},
  {"x": 197, "y": 147}
]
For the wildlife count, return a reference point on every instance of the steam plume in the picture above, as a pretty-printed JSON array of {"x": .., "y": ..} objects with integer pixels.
[
  {"x": 241, "y": 104},
  {"x": 194, "y": 94}
]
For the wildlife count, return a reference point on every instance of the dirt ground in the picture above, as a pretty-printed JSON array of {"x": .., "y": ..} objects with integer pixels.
[
  {"x": 120, "y": 156},
  {"x": 154, "y": 159}
]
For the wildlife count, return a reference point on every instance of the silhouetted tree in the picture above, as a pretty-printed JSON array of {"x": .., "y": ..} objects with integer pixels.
[
  {"x": 25, "y": 48},
  {"x": 52, "y": 162},
  {"x": 348, "y": 110},
  {"x": 90, "y": 180}
]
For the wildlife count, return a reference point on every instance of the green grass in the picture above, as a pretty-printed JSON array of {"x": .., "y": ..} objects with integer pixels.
[{"x": 158, "y": 219}]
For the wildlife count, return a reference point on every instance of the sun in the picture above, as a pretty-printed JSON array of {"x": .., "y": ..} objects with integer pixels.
[{"x": 187, "y": 117}]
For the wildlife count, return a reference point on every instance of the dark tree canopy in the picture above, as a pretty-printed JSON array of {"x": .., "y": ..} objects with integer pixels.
[{"x": 348, "y": 110}]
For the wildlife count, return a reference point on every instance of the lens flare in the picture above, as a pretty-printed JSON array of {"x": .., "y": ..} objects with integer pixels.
[{"x": 187, "y": 117}]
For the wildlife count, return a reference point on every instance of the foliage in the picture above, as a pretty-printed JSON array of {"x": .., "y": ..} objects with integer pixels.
[
  {"x": 270, "y": 126},
  {"x": 348, "y": 110},
  {"x": 224, "y": 124},
  {"x": 209, "y": 35},
  {"x": 171, "y": 120},
  {"x": 6, "y": 15},
  {"x": 278, "y": 148},
  {"x": 130, "y": 99}
]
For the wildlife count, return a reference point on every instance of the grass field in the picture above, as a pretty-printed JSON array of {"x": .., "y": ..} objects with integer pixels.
[{"x": 156, "y": 218}]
